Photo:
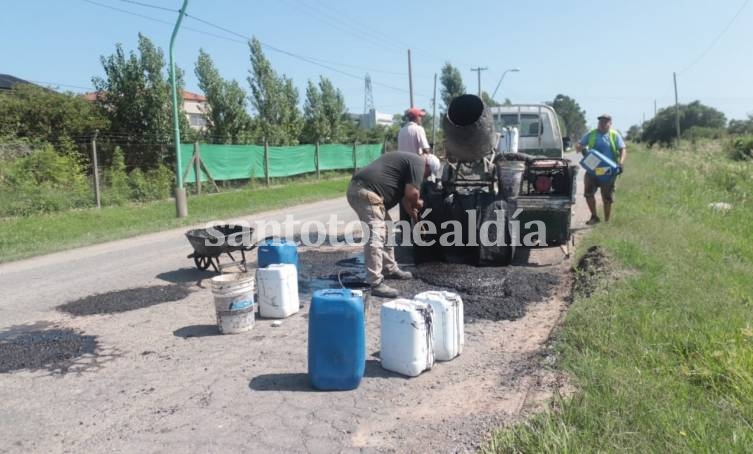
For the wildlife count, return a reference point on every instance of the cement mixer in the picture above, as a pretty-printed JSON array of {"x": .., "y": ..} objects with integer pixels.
[{"x": 507, "y": 197}]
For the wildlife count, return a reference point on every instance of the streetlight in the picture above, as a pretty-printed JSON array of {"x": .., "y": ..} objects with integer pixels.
[
  {"x": 513, "y": 70},
  {"x": 181, "y": 207}
]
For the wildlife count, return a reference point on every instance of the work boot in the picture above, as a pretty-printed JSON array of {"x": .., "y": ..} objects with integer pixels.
[
  {"x": 594, "y": 220},
  {"x": 383, "y": 290},
  {"x": 399, "y": 275}
]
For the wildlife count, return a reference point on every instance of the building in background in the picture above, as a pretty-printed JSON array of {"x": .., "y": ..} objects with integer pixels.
[
  {"x": 373, "y": 118},
  {"x": 195, "y": 107},
  {"x": 7, "y": 82}
]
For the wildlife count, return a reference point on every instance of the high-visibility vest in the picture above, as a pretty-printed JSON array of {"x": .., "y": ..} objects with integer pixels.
[{"x": 612, "y": 141}]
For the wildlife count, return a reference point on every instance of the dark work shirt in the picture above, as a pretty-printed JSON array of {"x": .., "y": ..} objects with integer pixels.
[{"x": 388, "y": 175}]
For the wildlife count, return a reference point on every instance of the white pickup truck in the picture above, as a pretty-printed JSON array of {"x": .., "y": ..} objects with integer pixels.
[{"x": 538, "y": 129}]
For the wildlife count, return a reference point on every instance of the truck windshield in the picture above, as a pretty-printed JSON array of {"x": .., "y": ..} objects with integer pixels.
[{"x": 528, "y": 127}]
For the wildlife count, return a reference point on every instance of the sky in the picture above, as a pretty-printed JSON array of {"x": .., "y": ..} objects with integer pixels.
[{"x": 616, "y": 57}]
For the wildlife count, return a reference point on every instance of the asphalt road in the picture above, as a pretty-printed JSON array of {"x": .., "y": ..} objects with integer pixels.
[
  {"x": 163, "y": 380},
  {"x": 31, "y": 287}
]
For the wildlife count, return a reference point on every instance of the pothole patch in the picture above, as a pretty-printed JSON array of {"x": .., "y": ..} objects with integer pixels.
[
  {"x": 55, "y": 350},
  {"x": 125, "y": 300}
]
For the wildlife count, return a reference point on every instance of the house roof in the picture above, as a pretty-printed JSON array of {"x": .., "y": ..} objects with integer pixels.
[
  {"x": 7, "y": 81},
  {"x": 187, "y": 96}
]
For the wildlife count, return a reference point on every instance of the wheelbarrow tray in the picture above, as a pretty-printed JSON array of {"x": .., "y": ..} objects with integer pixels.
[{"x": 209, "y": 244}]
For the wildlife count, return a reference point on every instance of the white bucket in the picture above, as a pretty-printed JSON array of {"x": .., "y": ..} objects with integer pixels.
[
  {"x": 234, "y": 302},
  {"x": 510, "y": 175}
]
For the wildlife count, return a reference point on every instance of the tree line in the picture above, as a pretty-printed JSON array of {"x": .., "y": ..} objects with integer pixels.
[{"x": 133, "y": 109}]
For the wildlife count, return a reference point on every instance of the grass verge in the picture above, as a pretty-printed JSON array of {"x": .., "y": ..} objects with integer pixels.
[
  {"x": 40, "y": 234},
  {"x": 662, "y": 356}
]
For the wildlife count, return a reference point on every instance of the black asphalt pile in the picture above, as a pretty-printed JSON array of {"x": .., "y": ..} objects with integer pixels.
[
  {"x": 490, "y": 293},
  {"x": 125, "y": 300},
  {"x": 594, "y": 267},
  {"x": 55, "y": 350},
  {"x": 319, "y": 269}
]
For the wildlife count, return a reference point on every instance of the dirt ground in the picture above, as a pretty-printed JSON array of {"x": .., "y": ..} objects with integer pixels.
[{"x": 159, "y": 378}]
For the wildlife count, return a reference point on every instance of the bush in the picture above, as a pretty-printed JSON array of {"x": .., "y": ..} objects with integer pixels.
[
  {"x": 43, "y": 181},
  {"x": 741, "y": 148},
  {"x": 116, "y": 190},
  {"x": 696, "y": 133},
  {"x": 155, "y": 184}
]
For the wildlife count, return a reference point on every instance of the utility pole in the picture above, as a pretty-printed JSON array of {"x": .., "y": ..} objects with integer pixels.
[
  {"x": 97, "y": 195},
  {"x": 677, "y": 108},
  {"x": 478, "y": 72},
  {"x": 654, "y": 107},
  {"x": 434, "y": 114},
  {"x": 181, "y": 206},
  {"x": 410, "y": 80}
]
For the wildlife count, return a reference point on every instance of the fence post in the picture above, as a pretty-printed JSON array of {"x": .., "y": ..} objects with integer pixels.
[
  {"x": 266, "y": 162},
  {"x": 197, "y": 166},
  {"x": 355, "y": 159},
  {"x": 97, "y": 195},
  {"x": 316, "y": 159}
]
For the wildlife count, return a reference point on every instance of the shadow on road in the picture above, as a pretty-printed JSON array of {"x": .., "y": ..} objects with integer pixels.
[
  {"x": 197, "y": 331},
  {"x": 374, "y": 369},
  {"x": 185, "y": 276},
  {"x": 281, "y": 382}
]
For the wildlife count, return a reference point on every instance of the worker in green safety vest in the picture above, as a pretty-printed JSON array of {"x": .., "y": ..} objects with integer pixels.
[{"x": 608, "y": 142}]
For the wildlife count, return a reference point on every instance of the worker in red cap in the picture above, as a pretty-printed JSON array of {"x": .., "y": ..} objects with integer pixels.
[{"x": 412, "y": 136}]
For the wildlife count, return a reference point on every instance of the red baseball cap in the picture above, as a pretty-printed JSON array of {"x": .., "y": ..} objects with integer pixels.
[{"x": 414, "y": 112}]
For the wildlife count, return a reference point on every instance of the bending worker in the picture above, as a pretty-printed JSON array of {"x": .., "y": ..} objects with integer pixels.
[
  {"x": 608, "y": 142},
  {"x": 393, "y": 178}
]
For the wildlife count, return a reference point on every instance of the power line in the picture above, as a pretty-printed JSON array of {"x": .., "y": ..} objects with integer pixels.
[
  {"x": 161, "y": 21},
  {"x": 311, "y": 60},
  {"x": 718, "y": 37},
  {"x": 362, "y": 27},
  {"x": 148, "y": 5}
]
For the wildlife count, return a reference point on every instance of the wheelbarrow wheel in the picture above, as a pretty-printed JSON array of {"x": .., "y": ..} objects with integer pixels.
[{"x": 202, "y": 262}]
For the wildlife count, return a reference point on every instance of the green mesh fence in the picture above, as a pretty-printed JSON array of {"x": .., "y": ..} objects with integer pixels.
[{"x": 242, "y": 162}]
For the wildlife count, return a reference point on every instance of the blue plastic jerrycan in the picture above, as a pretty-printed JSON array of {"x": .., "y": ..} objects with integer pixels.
[
  {"x": 275, "y": 251},
  {"x": 599, "y": 166},
  {"x": 337, "y": 339}
]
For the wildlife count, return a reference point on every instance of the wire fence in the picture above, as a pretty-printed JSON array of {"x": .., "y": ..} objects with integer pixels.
[{"x": 106, "y": 172}]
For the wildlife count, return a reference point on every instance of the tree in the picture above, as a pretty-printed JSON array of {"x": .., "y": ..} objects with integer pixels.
[
  {"x": 488, "y": 101},
  {"x": 662, "y": 128},
  {"x": 573, "y": 117},
  {"x": 741, "y": 127},
  {"x": 314, "y": 123},
  {"x": 275, "y": 100},
  {"x": 324, "y": 113},
  {"x": 452, "y": 84},
  {"x": 135, "y": 96},
  {"x": 39, "y": 114},
  {"x": 634, "y": 133},
  {"x": 229, "y": 122},
  {"x": 333, "y": 105}
]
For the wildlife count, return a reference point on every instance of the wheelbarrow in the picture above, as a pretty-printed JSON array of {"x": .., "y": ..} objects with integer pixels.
[{"x": 210, "y": 244}]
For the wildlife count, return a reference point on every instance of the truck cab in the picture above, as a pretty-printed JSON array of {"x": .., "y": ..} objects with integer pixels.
[{"x": 538, "y": 129}]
